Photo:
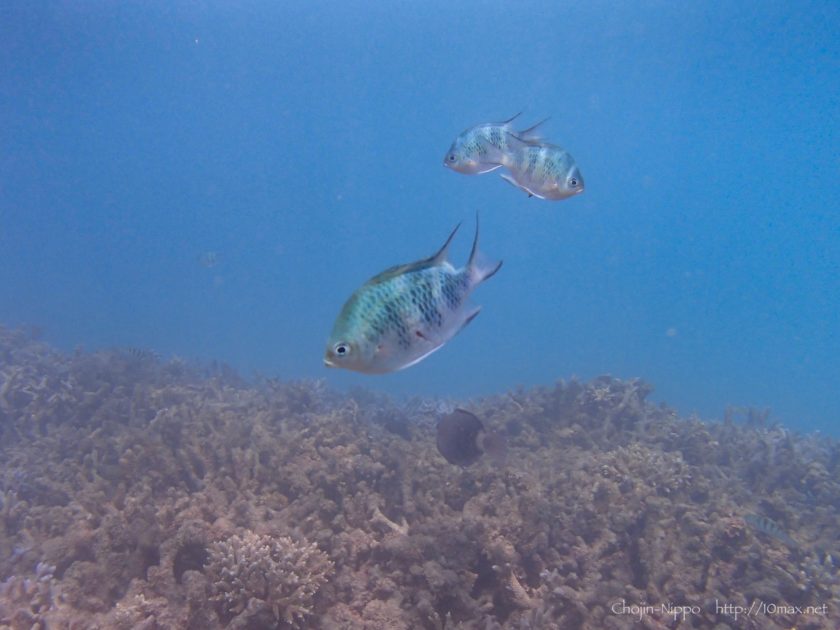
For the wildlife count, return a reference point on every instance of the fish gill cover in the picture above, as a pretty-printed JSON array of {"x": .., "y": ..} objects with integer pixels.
[{"x": 141, "y": 493}]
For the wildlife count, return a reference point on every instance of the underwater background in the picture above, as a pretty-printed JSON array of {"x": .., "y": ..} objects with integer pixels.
[
  {"x": 303, "y": 143},
  {"x": 190, "y": 191}
]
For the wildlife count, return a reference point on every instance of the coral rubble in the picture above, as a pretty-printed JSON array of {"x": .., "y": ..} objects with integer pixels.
[{"x": 137, "y": 493}]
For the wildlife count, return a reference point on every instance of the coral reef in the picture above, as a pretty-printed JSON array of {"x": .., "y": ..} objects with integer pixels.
[
  {"x": 265, "y": 574},
  {"x": 140, "y": 493}
]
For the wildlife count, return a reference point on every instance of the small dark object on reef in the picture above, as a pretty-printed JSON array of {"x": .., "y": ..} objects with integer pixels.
[
  {"x": 142, "y": 354},
  {"x": 771, "y": 528},
  {"x": 462, "y": 439}
]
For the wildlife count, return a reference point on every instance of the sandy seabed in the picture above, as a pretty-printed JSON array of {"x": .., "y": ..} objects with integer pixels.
[{"x": 140, "y": 494}]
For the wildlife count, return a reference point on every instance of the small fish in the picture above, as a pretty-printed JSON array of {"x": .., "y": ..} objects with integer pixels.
[
  {"x": 208, "y": 260},
  {"x": 405, "y": 313},
  {"x": 481, "y": 149},
  {"x": 141, "y": 354},
  {"x": 771, "y": 528},
  {"x": 542, "y": 170},
  {"x": 462, "y": 439}
]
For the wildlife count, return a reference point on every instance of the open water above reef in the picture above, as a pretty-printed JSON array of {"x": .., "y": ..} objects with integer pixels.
[
  {"x": 213, "y": 180},
  {"x": 137, "y": 493}
]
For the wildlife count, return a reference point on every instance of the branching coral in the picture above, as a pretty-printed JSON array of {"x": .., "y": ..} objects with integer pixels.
[
  {"x": 251, "y": 572},
  {"x": 29, "y": 602},
  {"x": 138, "y": 493}
]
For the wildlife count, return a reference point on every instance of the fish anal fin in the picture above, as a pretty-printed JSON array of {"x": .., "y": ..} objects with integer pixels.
[
  {"x": 509, "y": 180},
  {"x": 516, "y": 184},
  {"x": 470, "y": 316}
]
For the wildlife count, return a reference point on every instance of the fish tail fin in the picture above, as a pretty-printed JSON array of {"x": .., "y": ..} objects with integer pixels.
[
  {"x": 442, "y": 253},
  {"x": 478, "y": 269},
  {"x": 530, "y": 135}
]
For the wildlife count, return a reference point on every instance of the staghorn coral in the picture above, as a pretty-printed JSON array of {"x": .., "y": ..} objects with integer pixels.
[
  {"x": 123, "y": 475},
  {"x": 257, "y": 572},
  {"x": 30, "y": 602}
]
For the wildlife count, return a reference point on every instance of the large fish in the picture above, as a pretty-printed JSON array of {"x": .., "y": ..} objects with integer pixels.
[
  {"x": 480, "y": 149},
  {"x": 401, "y": 316},
  {"x": 542, "y": 170}
]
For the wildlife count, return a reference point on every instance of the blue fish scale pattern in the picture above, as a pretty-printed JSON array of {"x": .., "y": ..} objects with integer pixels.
[
  {"x": 552, "y": 166},
  {"x": 538, "y": 163},
  {"x": 476, "y": 145},
  {"x": 424, "y": 296},
  {"x": 533, "y": 159},
  {"x": 496, "y": 139}
]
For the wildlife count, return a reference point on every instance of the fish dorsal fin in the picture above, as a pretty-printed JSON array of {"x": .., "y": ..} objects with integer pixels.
[
  {"x": 441, "y": 254},
  {"x": 432, "y": 261},
  {"x": 518, "y": 140},
  {"x": 474, "y": 250},
  {"x": 512, "y": 118},
  {"x": 398, "y": 270},
  {"x": 529, "y": 135},
  {"x": 478, "y": 270}
]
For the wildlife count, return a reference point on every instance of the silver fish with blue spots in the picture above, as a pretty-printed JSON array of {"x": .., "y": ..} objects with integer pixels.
[
  {"x": 481, "y": 148},
  {"x": 541, "y": 170},
  {"x": 405, "y": 313}
]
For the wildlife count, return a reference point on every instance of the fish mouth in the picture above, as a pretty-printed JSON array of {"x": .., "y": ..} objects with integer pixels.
[{"x": 328, "y": 363}]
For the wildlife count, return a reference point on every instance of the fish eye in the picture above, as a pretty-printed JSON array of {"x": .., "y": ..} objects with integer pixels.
[
  {"x": 451, "y": 157},
  {"x": 573, "y": 182},
  {"x": 342, "y": 349}
]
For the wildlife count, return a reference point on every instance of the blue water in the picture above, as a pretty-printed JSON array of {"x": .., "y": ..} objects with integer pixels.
[{"x": 304, "y": 141}]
